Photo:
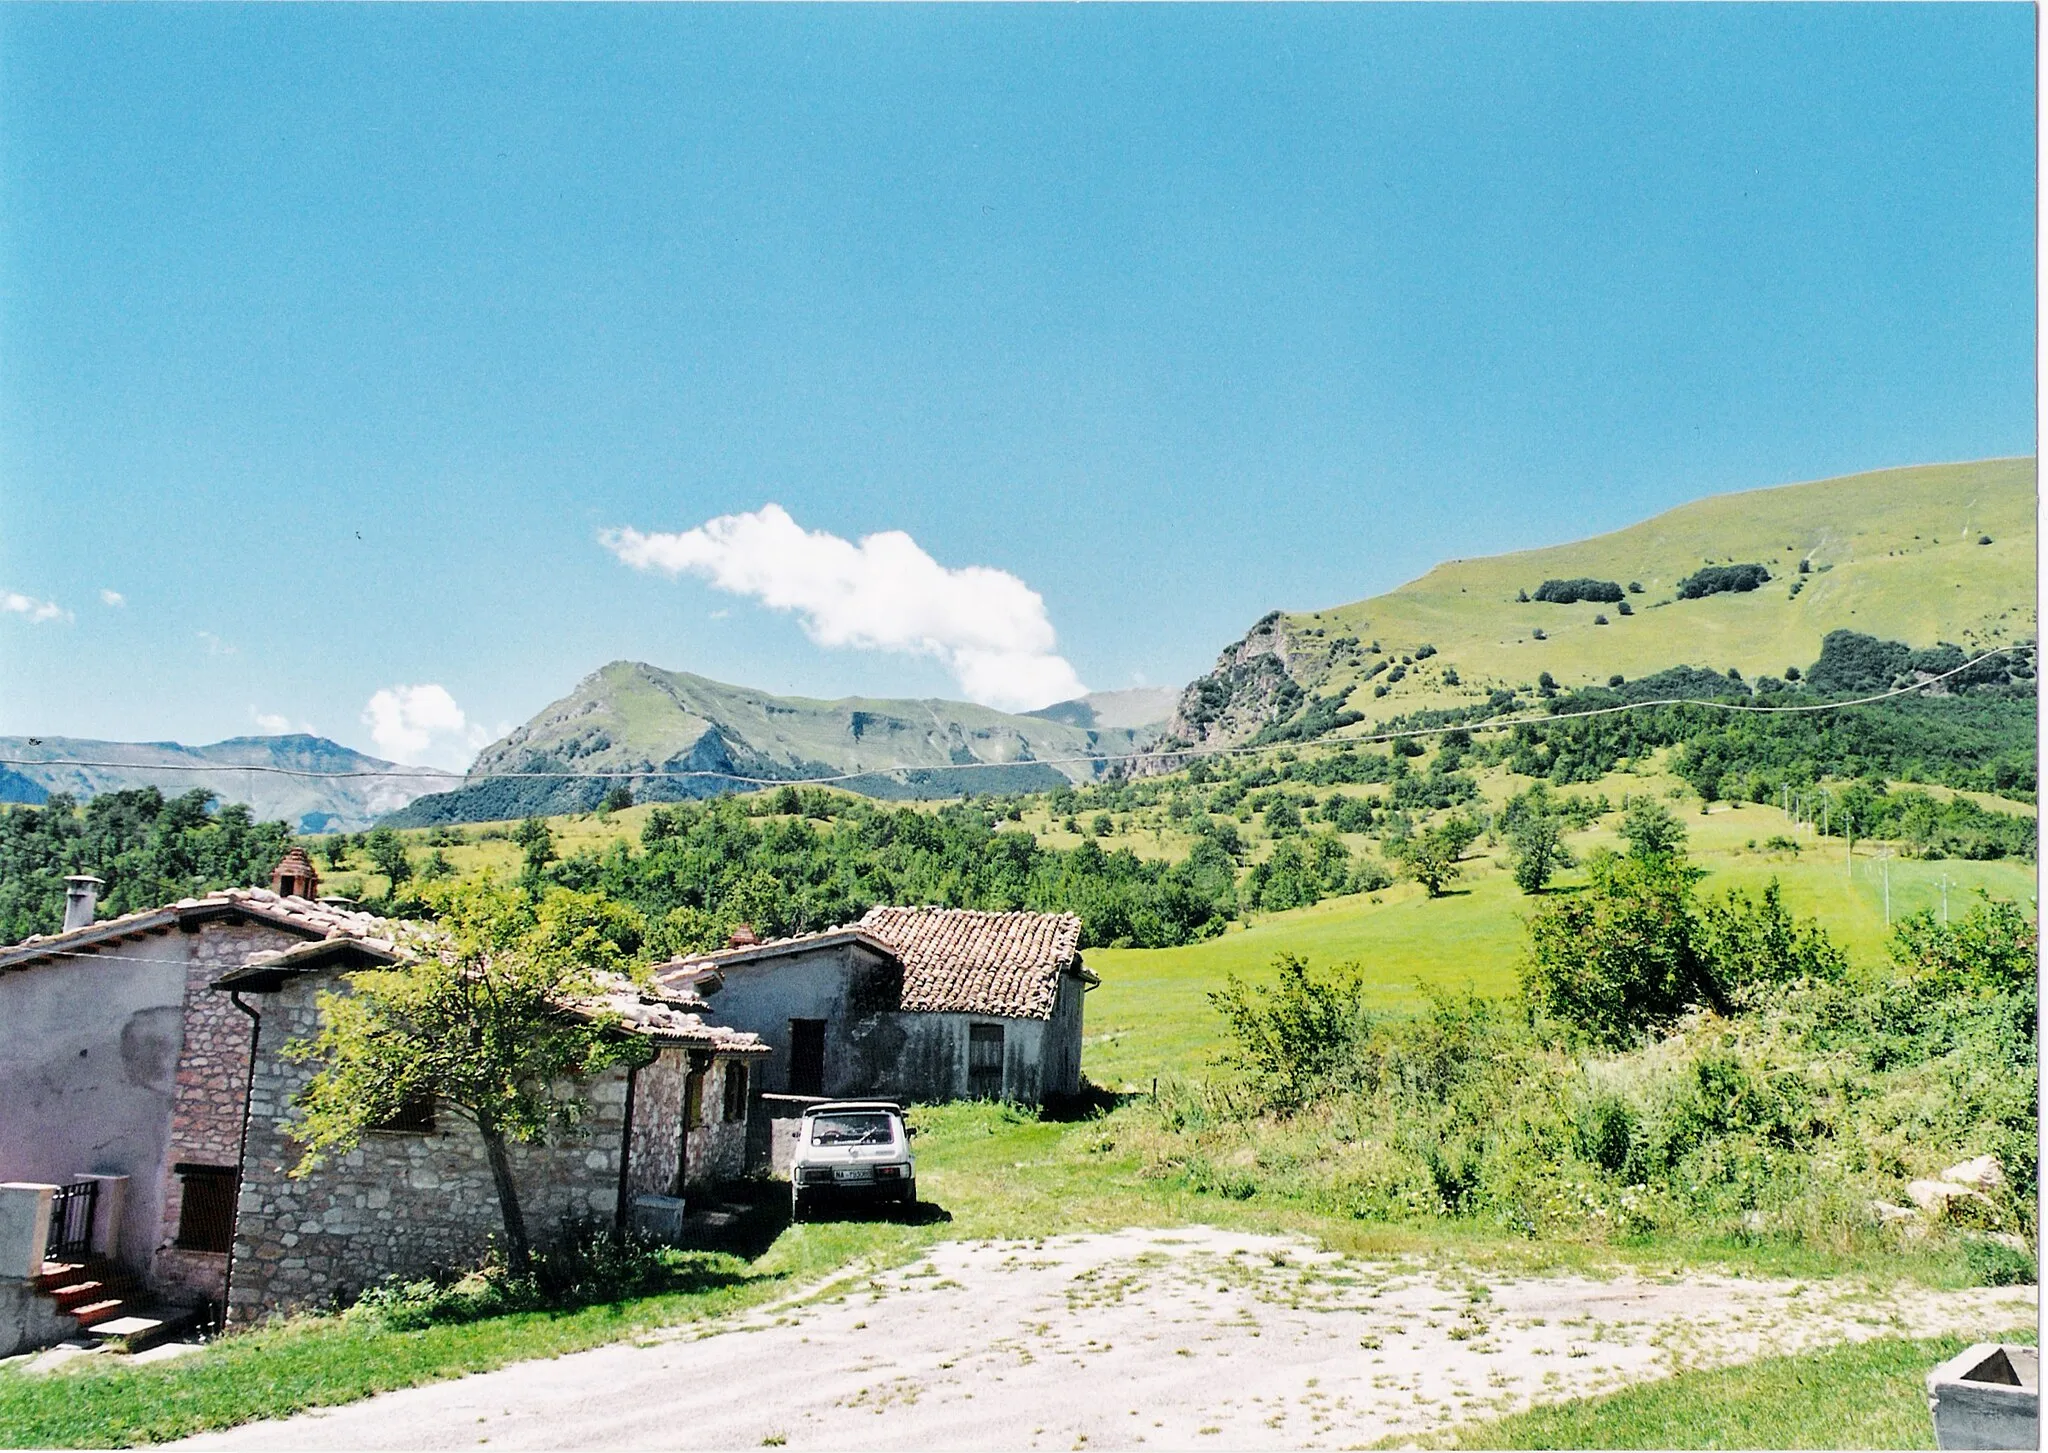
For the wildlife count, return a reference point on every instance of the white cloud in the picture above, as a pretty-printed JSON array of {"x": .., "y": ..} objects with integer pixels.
[
  {"x": 38, "y": 611},
  {"x": 883, "y": 594},
  {"x": 215, "y": 646},
  {"x": 422, "y": 726},
  {"x": 113, "y": 598},
  {"x": 271, "y": 724}
]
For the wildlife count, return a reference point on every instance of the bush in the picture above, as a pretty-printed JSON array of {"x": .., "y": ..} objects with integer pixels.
[
  {"x": 1717, "y": 579},
  {"x": 1299, "y": 1039},
  {"x": 1570, "y": 592},
  {"x": 589, "y": 1261}
]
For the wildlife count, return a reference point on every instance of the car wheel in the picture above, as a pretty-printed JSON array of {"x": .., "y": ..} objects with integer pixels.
[
  {"x": 910, "y": 1192},
  {"x": 799, "y": 1204}
]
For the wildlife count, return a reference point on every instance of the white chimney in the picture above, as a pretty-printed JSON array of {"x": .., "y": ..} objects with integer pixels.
[{"x": 81, "y": 898}]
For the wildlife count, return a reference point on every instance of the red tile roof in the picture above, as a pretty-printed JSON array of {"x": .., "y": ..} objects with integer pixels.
[
  {"x": 954, "y": 960},
  {"x": 314, "y": 920},
  {"x": 962, "y": 961}
]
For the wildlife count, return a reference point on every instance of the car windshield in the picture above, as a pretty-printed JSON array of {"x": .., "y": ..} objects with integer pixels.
[{"x": 867, "y": 1127}]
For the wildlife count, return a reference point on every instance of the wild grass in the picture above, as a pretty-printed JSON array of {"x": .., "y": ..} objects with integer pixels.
[{"x": 1861, "y": 1395}]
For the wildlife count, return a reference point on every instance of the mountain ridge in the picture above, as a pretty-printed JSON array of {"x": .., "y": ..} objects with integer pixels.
[
  {"x": 308, "y": 804},
  {"x": 639, "y": 725},
  {"x": 1922, "y": 554}
]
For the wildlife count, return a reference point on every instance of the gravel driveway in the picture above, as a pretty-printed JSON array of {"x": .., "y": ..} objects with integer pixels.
[{"x": 1192, "y": 1337}]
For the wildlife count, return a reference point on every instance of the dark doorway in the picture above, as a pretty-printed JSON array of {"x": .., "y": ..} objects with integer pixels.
[
  {"x": 985, "y": 1061},
  {"x": 807, "y": 1056}
]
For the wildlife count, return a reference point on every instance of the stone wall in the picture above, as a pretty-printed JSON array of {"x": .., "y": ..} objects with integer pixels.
[
  {"x": 400, "y": 1204},
  {"x": 206, "y": 1097},
  {"x": 657, "y": 1124},
  {"x": 718, "y": 1147}
]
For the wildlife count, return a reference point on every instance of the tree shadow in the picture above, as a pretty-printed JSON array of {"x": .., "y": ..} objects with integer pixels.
[{"x": 1089, "y": 1102}]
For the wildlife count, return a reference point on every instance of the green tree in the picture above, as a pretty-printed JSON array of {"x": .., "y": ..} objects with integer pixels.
[
  {"x": 617, "y": 800},
  {"x": 387, "y": 852},
  {"x": 1617, "y": 958},
  {"x": 1748, "y": 947},
  {"x": 1993, "y": 947},
  {"x": 534, "y": 839},
  {"x": 1538, "y": 850},
  {"x": 337, "y": 851},
  {"x": 1431, "y": 859},
  {"x": 491, "y": 1018},
  {"x": 1651, "y": 830}
]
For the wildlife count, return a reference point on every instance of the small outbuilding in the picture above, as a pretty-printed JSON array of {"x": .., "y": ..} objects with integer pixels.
[{"x": 908, "y": 1004}]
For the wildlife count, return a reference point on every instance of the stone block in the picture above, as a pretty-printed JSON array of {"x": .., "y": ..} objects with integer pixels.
[
  {"x": 24, "y": 1228},
  {"x": 1987, "y": 1397}
]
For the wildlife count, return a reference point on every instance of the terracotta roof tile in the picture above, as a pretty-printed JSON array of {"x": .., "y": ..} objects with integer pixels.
[
  {"x": 962, "y": 961},
  {"x": 316, "y": 920}
]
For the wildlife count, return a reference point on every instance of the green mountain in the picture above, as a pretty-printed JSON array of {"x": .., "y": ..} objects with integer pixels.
[
  {"x": 308, "y": 804},
  {"x": 641, "y": 722},
  {"x": 1922, "y": 555}
]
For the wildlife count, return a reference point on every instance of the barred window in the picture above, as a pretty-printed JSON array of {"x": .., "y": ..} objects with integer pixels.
[
  {"x": 415, "y": 1117},
  {"x": 206, "y": 1209}
]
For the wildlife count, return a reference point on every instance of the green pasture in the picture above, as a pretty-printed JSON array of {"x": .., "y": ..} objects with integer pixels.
[{"x": 1151, "y": 1016}]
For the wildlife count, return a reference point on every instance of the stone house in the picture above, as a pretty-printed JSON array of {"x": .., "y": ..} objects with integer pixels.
[
  {"x": 418, "y": 1194},
  {"x": 908, "y": 1004},
  {"x": 144, "y": 1050},
  {"x": 119, "y": 1060}
]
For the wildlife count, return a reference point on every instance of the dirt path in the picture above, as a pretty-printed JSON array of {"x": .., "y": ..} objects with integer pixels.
[{"x": 1193, "y": 1337}]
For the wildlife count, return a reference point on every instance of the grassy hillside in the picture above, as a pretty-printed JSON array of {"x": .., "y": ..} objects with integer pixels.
[
  {"x": 1893, "y": 554},
  {"x": 630, "y": 717}
]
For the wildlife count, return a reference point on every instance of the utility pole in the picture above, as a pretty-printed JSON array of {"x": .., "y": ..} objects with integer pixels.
[
  {"x": 1884, "y": 861},
  {"x": 1944, "y": 898}
]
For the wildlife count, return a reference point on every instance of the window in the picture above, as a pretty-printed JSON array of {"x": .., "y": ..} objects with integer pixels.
[
  {"x": 985, "y": 1061},
  {"x": 415, "y": 1117},
  {"x": 206, "y": 1210},
  {"x": 807, "y": 1056},
  {"x": 693, "y": 1099},
  {"x": 735, "y": 1090}
]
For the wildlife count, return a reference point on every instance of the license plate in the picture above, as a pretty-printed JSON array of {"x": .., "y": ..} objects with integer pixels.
[{"x": 852, "y": 1173}]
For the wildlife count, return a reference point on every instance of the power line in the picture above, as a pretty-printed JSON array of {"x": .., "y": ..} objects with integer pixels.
[{"x": 1180, "y": 756}]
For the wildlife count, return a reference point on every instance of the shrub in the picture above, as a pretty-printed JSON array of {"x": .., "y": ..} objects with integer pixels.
[
  {"x": 589, "y": 1261},
  {"x": 1298, "y": 1039},
  {"x": 1570, "y": 592},
  {"x": 1717, "y": 579},
  {"x": 1601, "y": 620}
]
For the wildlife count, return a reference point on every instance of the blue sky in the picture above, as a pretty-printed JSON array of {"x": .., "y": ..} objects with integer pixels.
[{"x": 351, "y": 348}]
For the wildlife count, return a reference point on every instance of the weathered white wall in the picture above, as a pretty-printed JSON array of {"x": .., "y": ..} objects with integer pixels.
[
  {"x": 872, "y": 1048},
  {"x": 88, "y": 1063}
]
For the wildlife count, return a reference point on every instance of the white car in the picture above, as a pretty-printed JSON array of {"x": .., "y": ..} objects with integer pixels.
[{"x": 852, "y": 1149}]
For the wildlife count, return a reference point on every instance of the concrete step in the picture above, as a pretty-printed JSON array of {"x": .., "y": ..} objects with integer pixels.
[{"x": 145, "y": 1327}]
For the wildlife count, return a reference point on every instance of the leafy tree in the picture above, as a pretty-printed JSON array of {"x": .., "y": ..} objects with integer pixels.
[
  {"x": 1617, "y": 958},
  {"x": 337, "y": 852},
  {"x": 617, "y": 800},
  {"x": 387, "y": 852},
  {"x": 147, "y": 848},
  {"x": 1992, "y": 947},
  {"x": 1751, "y": 947},
  {"x": 1297, "y": 1037},
  {"x": 537, "y": 842},
  {"x": 1538, "y": 851},
  {"x": 1651, "y": 830},
  {"x": 1431, "y": 859},
  {"x": 480, "y": 1021}
]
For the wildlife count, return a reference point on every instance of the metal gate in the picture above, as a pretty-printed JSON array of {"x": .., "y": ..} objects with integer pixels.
[{"x": 71, "y": 1213}]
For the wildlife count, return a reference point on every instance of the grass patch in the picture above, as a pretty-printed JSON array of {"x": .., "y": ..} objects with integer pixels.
[
  {"x": 1862, "y": 1395},
  {"x": 313, "y": 1362}
]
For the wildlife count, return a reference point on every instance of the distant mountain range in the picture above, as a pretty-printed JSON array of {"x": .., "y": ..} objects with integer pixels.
[
  {"x": 1748, "y": 581},
  {"x": 647, "y": 727},
  {"x": 309, "y": 804},
  {"x": 1923, "y": 555}
]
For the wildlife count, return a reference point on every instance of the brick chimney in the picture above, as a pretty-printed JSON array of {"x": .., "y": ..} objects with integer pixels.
[
  {"x": 81, "y": 899},
  {"x": 743, "y": 937},
  {"x": 294, "y": 876}
]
